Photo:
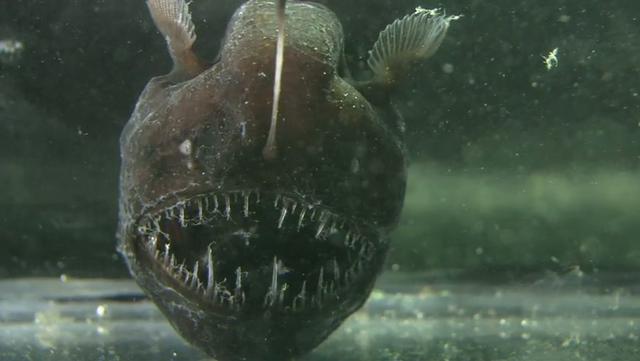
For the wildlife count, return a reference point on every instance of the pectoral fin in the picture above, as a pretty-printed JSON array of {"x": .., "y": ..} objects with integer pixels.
[
  {"x": 414, "y": 37},
  {"x": 173, "y": 20}
]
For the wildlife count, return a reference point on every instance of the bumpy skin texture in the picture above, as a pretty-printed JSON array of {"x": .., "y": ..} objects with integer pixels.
[{"x": 205, "y": 135}]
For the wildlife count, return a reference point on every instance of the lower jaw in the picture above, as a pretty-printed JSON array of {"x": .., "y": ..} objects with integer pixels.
[{"x": 268, "y": 333}]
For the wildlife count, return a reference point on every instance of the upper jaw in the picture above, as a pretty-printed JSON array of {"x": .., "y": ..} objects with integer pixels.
[{"x": 248, "y": 251}]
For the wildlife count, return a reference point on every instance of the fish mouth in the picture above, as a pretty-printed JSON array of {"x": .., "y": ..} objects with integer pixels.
[{"x": 250, "y": 251}]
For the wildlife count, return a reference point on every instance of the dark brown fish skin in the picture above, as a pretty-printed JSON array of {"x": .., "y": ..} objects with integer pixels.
[{"x": 333, "y": 149}]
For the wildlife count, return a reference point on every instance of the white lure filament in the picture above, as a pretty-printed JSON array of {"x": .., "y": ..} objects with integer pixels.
[{"x": 270, "y": 150}]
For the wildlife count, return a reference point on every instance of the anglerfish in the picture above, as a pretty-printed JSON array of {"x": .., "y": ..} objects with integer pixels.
[{"x": 258, "y": 190}]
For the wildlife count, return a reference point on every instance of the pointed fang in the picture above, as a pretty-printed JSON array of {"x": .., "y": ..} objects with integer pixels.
[
  {"x": 303, "y": 211},
  {"x": 246, "y": 204},
  {"x": 166, "y": 255},
  {"x": 194, "y": 276},
  {"x": 227, "y": 207},
  {"x": 210, "y": 276},
  {"x": 270, "y": 297},
  {"x": 283, "y": 214},
  {"x": 238, "y": 290}
]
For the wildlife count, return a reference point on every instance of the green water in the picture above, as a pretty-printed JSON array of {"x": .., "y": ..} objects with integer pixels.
[{"x": 519, "y": 236}]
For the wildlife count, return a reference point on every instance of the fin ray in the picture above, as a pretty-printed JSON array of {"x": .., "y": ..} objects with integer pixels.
[
  {"x": 173, "y": 20},
  {"x": 414, "y": 37}
]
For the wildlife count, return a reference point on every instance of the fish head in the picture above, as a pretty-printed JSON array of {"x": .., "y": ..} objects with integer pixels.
[{"x": 247, "y": 255}]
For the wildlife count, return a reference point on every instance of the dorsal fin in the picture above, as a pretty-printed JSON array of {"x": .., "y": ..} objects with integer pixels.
[
  {"x": 270, "y": 150},
  {"x": 416, "y": 36},
  {"x": 173, "y": 20}
]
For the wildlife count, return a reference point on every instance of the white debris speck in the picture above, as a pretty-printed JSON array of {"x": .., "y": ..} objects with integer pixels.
[
  {"x": 355, "y": 165},
  {"x": 10, "y": 47},
  {"x": 564, "y": 18},
  {"x": 101, "y": 330},
  {"x": 447, "y": 68},
  {"x": 185, "y": 147},
  {"x": 243, "y": 129},
  {"x": 551, "y": 60},
  {"x": 101, "y": 310},
  {"x": 10, "y": 51}
]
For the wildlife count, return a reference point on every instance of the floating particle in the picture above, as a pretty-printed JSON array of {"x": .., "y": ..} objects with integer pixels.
[
  {"x": 551, "y": 60},
  {"x": 10, "y": 50}
]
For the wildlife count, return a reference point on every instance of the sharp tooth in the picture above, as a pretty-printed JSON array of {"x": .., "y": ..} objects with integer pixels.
[
  {"x": 283, "y": 214},
  {"x": 206, "y": 203},
  {"x": 303, "y": 211},
  {"x": 275, "y": 203},
  {"x": 336, "y": 270},
  {"x": 214, "y": 294},
  {"x": 227, "y": 207},
  {"x": 187, "y": 274},
  {"x": 238, "y": 289},
  {"x": 246, "y": 203},
  {"x": 363, "y": 250},
  {"x": 166, "y": 255},
  {"x": 210, "y": 276},
  {"x": 320, "y": 286},
  {"x": 194, "y": 276},
  {"x": 333, "y": 228},
  {"x": 293, "y": 207},
  {"x": 274, "y": 274},
  {"x": 156, "y": 223},
  {"x": 215, "y": 203},
  {"x": 303, "y": 291},
  {"x": 227, "y": 296},
  {"x": 181, "y": 269},
  {"x": 153, "y": 241},
  {"x": 320, "y": 227},
  {"x": 351, "y": 239},
  {"x": 282, "y": 292},
  {"x": 273, "y": 290},
  {"x": 181, "y": 213},
  {"x": 200, "y": 215},
  {"x": 157, "y": 254},
  {"x": 173, "y": 261}
]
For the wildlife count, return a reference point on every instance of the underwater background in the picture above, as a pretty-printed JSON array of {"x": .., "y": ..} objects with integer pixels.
[{"x": 524, "y": 179}]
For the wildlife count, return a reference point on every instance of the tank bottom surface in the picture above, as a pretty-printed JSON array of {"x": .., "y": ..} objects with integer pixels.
[{"x": 411, "y": 317}]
